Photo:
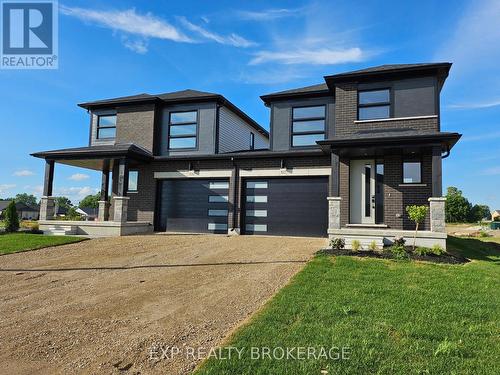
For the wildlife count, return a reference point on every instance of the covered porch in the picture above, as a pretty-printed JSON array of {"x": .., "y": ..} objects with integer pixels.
[
  {"x": 374, "y": 179},
  {"x": 114, "y": 163}
]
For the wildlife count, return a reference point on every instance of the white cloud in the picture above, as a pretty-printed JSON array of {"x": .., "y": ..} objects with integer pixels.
[
  {"x": 79, "y": 177},
  {"x": 23, "y": 173},
  {"x": 267, "y": 14},
  {"x": 5, "y": 187},
  {"x": 231, "y": 39},
  {"x": 475, "y": 105},
  {"x": 321, "y": 56},
  {"x": 138, "y": 46},
  {"x": 129, "y": 22},
  {"x": 481, "y": 137}
]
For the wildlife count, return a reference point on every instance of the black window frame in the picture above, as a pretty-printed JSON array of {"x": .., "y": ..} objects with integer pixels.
[
  {"x": 195, "y": 136},
  {"x": 99, "y": 127},
  {"x": 306, "y": 119},
  {"x": 252, "y": 141},
  {"x": 376, "y": 104},
  {"x": 128, "y": 181},
  {"x": 411, "y": 159}
]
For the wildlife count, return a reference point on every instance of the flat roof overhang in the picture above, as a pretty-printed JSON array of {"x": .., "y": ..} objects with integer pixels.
[
  {"x": 379, "y": 146},
  {"x": 96, "y": 157}
]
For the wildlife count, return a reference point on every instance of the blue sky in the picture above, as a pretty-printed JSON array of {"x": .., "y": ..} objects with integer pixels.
[{"x": 243, "y": 50}]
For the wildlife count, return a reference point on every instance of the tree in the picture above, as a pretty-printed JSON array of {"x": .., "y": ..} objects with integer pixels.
[
  {"x": 11, "y": 218},
  {"x": 28, "y": 199},
  {"x": 457, "y": 207},
  {"x": 479, "y": 212},
  {"x": 91, "y": 201},
  {"x": 417, "y": 214},
  {"x": 63, "y": 202},
  {"x": 72, "y": 214}
]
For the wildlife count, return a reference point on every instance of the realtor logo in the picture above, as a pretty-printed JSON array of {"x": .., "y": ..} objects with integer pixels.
[{"x": 29, "y": 35}]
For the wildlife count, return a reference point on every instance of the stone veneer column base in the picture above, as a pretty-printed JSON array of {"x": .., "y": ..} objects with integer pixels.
[
  {"x": 120, "y": 206},
  {"x": 437, "y": 214},
  {"x": 47, "y": 208},
  {"x": 103, "y": 213},
  {"x": 334, "y": 212}
]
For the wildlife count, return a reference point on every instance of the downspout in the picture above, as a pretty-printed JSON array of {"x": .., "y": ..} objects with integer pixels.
[{"x": 447, "y": 153}]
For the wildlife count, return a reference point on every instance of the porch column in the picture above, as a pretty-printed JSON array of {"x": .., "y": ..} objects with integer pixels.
[
  {"x": 120, "y": 201},
  {"x": 437, "y": 214},
  {"x": 334, "y": 198},
  {"x": 47, "y": 202},
  {"x": 437, "y": 177},
  {"x": 103, "y": 214}
]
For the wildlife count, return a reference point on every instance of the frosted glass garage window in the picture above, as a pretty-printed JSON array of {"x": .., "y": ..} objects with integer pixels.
[
  {"x": 257, "y": 213},
  {"x": 217, "y": 198},
  {"x": 256, "y": 185},
  {"x": 217, "y": 226},
  {"x": 257, "y": 198},
  {"x": 256, "y": 227},
  {"x": 219, "y": 185},
  {"x": 217, "y": 212}
]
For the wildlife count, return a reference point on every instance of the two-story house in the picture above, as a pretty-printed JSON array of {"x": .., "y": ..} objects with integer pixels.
[{"x": 343, "y": 158}]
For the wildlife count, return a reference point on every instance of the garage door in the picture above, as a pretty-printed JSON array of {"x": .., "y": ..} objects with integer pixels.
[
  {"x": 198, "y": 206},
  {"x": 286, "y": 206}
]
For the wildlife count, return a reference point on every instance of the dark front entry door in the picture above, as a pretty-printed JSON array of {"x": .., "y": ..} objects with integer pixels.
[
  {"x": 194, "y": 205},
  {"x": 288, "y": 206}
]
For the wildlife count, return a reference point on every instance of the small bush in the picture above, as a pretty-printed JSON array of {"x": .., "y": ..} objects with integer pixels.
[
  {"x": 437, "y": 249},
  {"x": 337, "y": 243},
  {"x": 421, "y": 250},
  {"x": 355, "y": 245},
  {"x": 398, "y": 251},
  {"x": 399, "y": 241},
  {"x": 11, "y": 218},
  {"x": 483, "y": 234},
  {"x": 373, "y": 246}
]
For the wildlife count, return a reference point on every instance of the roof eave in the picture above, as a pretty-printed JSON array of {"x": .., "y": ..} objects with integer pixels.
[{"x": 268, "y": 98}]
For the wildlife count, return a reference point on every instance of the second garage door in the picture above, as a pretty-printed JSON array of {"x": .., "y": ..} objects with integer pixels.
[
  {"x": 286, "y": 206},
  {"x": 195, "y": 205}
]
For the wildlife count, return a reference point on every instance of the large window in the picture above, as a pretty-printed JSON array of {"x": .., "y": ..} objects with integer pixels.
[
  {"x": 308, "y": 125},
  {"x": 374, "y": 104},
  {"x": 412, "y": 172},
  {"x": 182, "y": 130},
  {"x": 106, "y": 126}
]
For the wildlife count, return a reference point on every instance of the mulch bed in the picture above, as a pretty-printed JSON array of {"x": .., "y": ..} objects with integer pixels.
[{"x": 445, "y": 258}]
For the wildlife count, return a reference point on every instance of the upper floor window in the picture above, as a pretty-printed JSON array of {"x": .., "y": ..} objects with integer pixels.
[
  {"x": 252, "y": 141},
  {"x": 308, "y": 125},
  {"x": 182, "y": 130},
  {"x": 374, "y": 104},
  {"x": 106, "y": 126}
]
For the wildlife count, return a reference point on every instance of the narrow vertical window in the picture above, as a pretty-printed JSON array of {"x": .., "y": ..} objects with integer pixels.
[
  {"x": 252, "y": 141},
  {"x": 133, "y": 179},
  {"x": 368, "y": 175}
]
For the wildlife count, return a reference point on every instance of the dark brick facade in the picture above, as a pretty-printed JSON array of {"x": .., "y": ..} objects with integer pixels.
[
  {"x": 346, "y": 102},
  {"x": 135, "y": 124}
]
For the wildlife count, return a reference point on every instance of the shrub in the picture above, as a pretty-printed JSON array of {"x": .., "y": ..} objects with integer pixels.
[
  {"x": 421, "y": 250},
  {"x": 437, "y": 249},
  {"x": 355, "y": 245},
  {"x": 398, "y": 251},
  {"x": 337, "y": 243},
  {"x": 399, "y": 241},
  {"x": 373, "y": 246},
  {"x": 483, "y": 234},
  {"x": 11, "y": 218}
]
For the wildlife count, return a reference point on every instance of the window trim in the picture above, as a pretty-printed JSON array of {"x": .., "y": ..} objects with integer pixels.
[
  {"x": 411, "y": 159},
  {"x": 377, "y": 104},
  {"x": 195, "y": 136},
  {"x": 98, "y": 126},
  {"x": 252, "y": 141},
  {"x": 306, "y": 119},
  {"x": 128, "y": 181}
]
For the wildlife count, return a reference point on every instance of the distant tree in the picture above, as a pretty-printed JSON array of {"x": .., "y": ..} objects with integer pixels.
[
  {"x": 28, "y": 199},
  {"x": 11, "y": 218},
  {"x": 479, "y": 212},
  {"x": 63, "y": 202},
  {"x": 457, "y": 208},
  {"x": 72, "y": 214},
  {"x": 91, "y": 201}
]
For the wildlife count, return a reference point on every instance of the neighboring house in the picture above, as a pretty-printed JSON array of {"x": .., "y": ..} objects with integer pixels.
[
  {"x": 24, "y": 211},
  {"x": 343, "y": 158},
  {"x": 495, "y": 215},
  {"x": 88, "y": 213}
]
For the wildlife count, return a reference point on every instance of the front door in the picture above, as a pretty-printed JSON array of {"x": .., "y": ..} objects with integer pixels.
[{"x": 362, "y": 191}]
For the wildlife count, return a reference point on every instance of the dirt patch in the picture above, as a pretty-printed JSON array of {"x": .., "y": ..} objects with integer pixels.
[{"x": 99, "y": 306}]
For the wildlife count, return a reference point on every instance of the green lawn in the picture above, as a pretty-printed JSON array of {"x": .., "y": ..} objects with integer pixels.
[
  {"x": 396, "y": 317},
  {"x": 16, "y": 242}
]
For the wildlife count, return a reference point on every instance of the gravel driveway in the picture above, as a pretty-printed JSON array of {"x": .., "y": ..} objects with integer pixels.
[{"x": 98, "y": 306}]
